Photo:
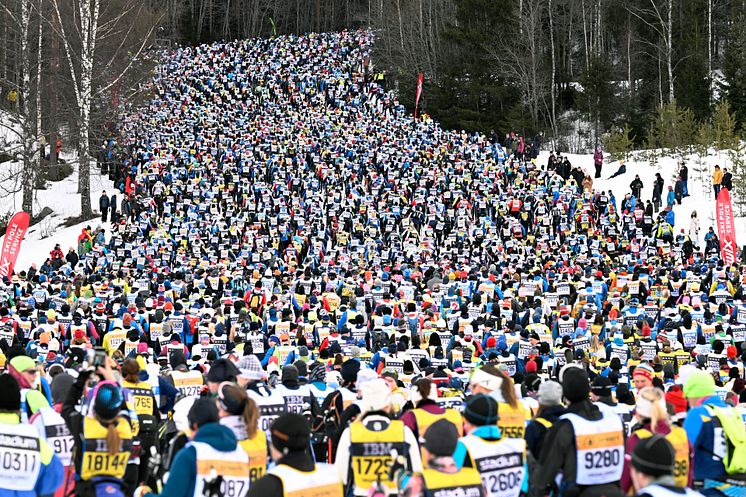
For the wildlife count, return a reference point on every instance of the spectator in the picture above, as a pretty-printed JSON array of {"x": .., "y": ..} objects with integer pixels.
[
  {"x": 679, "y": 190},
  {"x": 636, "y": 186},
  {"x": 727, "y": 181},
  {"x": 598, "y": 160},
  {"x": 72, "y": 257},
  {"x": 671, "y": 197},
  {"x": 717, "y": 179},
  {"x": 103, "y": 204},
  {"x": 657, "y": 192},
  {"x": 684, "y": 173}
]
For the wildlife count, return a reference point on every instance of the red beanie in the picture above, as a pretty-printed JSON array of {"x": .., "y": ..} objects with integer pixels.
[
  {"x": 491, "y": 343},
  {"x": 531, "y": 367},
  {"x": 675, "y": 397},
  {"x": 732, "y": 352}
]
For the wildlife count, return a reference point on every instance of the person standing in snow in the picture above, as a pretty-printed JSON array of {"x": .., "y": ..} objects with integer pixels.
[
  {"x": 598, "y": 161},
  {"x": 636, "y": 186},
  {"x": 717, "y": 179},
  {"x": 727, "y": 181},
  {"x": 679, "y": 190},
  {"x": 657, "y": 192},
  {"x": 103, "y": 204},
  {"x": 684, "y": 173},
  {"x": 694, "y": 229}
]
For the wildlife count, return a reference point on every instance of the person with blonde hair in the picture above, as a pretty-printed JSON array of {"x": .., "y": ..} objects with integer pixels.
[{"x": 651, "y": 418}]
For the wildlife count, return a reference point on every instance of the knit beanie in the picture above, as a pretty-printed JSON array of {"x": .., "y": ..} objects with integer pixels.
[
  {"x": 203, "y": 411},
  {"x": 644, "y": 370},
  {"x": 481, "y": 410},
  {"x": 699, "y": 384},
  {"x": 10, "y": 393},
  {"x": 290, "y": 432},
  {"x": 550, "y": 393},
  {"x": 441, "y": 438},
  {"x": 601, "y": 386},
  {"x": 675, "y": 397},
  {"x": 653, "y": 456},
  {"x": 576, "y": 385},
  {"x": 109, "y": 400}
]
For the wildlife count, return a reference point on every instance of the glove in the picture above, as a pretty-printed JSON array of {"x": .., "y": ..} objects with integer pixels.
[{"x": 142, "y": 490}]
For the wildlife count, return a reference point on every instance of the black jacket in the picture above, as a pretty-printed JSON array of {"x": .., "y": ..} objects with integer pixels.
[
  {"x": 270, "y": 485},
  {"x": 558, "y": 456},
  {"x": 727, "y": 181}
]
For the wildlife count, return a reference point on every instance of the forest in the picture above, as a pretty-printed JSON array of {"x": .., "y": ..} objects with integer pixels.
[{"x": 569, "y": 72}]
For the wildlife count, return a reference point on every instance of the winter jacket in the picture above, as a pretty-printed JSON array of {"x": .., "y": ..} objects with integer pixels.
[
  {"x": 559, "y": 454},
  {"x": 183, "y": 474},
  {"x": 51, "y": 473},
  {"x": 717, "y": 177},
  {"x": 701, "y": 433},
  {"x": 103, "y": 202},
  {"x": 662, "y": 429}
]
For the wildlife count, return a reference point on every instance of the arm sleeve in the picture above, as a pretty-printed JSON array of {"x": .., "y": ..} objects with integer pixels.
[
  {"x": 415, "y": 459},
  {"x": 342, "y": 463},
  {"x": 52, "y": 472}
]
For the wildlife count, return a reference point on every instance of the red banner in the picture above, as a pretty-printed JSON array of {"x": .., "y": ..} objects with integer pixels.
[
  {"x": 12, "y": 243},
  {"x": 418, "y": 94},
  {"x": 726, "y": 227}
]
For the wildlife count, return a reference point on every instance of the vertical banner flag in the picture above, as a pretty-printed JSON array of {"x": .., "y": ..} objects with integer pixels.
[
  {"x": 418, "y": 94},
  {"x": 14, "y": 234},
  {"x": 726, "y": 227}
]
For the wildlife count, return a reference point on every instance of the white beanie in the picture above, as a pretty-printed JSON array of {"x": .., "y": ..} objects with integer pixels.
[{"x": 376, "y": 396}]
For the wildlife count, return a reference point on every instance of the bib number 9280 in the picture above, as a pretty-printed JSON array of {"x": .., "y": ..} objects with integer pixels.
[{"x": 602, "y": 459}]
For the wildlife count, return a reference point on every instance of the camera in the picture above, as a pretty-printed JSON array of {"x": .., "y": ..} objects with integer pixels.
[{"x": 94, "y": 358}]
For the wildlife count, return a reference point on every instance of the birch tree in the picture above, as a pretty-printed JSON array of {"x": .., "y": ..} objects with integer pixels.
[
  {"x": 83, "y": 26},
  {"x": 22, "y": 124}
]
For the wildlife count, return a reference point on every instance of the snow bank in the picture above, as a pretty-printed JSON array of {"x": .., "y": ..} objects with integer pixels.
[{"x": 702, "y": 196}]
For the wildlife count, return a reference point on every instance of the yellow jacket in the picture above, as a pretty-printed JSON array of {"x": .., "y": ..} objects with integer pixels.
[{"x": 717, "y": 176}]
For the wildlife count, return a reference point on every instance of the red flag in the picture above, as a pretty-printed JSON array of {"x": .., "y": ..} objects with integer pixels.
[
  {"x": 726, "y": 227},
  {"x": 12, "y": 242},
  {"x": 418, "y": 94}
]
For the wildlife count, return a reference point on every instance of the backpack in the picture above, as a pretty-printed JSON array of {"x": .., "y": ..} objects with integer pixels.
[{"x": 734, "y": 434}]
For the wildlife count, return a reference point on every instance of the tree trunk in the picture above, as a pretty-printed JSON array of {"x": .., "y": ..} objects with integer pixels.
[
  {"x": 554, "y": 70},
  {"x": 27, "y": 179},
  {"x": 709, "y": 48},
  {"x": 669, "y": 52}
]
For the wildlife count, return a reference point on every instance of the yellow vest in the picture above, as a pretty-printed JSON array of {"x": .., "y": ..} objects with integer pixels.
[
  {"x": 370, "y": 452},
  {"x": 466, "y": 482},
  {"x": 256, "y": 448},
  {"x": 96, "y": 458},
  {"x": 425, "y": 419},
  {"x": 512, "y": 422},
  {"x": 679, "y": 441}
]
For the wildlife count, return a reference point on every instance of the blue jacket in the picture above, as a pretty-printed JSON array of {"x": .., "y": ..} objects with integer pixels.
[
  {"x": 489, "y": 432},
  {"x": 701, "y": 433},
  {"x": 51, "y": 474},
  {"x": 183, "y": 475}
]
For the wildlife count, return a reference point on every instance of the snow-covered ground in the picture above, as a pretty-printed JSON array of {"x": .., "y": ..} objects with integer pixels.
[
  {"x": 63, "y": 198},
  {"x": 702, "y": 196}
]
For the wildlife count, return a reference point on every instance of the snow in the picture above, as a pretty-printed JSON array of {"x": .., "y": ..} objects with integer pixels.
[
  {"x": 64, "y": 200},
  {"x": 702, "y": 195}
]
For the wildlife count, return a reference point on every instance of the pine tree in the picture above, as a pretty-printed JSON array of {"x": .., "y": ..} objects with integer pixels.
[{"x": 734, "y": 69}]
